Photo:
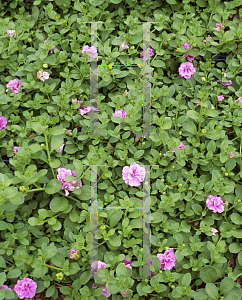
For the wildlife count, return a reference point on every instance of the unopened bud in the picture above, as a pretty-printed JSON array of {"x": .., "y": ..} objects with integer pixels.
[
  {"x": 45, "y": 66},
  {"x": 203, "y": 79}
]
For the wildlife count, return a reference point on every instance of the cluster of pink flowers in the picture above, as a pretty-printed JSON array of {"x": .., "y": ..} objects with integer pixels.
[
  {"x": 133, "y": 175},
  {"x": 3, "y": 122},
  {"x": 148, "y": 55},
  {"x": 218, "y": 26},
  {"x": 92, "y": 50},
  {"x": 25, "y": 288},
  {"x": 14, "y": 85},
  {"x": 188, "y": 57},
  {"x": 85, "y": 110},
  {"x": 215, "y": 204},
  {"x": 123, "y": 46},
  {"x": 51, "y": 50},
  {"x": 11, "y": 33},
  {"x": 43, "y": 76},
  {"x": 74, "y": 253},
  {"x": 186, "y": 70},
  {"x": 62, "y": 174}
]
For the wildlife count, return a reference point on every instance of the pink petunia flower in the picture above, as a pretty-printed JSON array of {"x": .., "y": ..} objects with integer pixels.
[
  {"x": 150, "y": 263},
  {"x": 62, "y": 174},
  {"x": 14, "y": 85},
  {"x": 92, "y": 50},
  {"x": 215, "y": 204},
  {"x": 186, "y": 70},
  {"x": 128, "y": 262},
  {"x": 231, "y": 155},
  {"x": 133, "y": 175},
  {"x": 25, "y": 288},
  {"x": 51, "y": 115},
  {"x": 126, "y": 93},
  {"x": 239, "y": 99},
  {"x": 74, "y": 101},
  {"x": 124, "y": 293},
  {"x": 74, "y": 253},
  {"x": 104, "y": 287},
  {"x": 60, "y": 149},
  {"x": 148, "y": 55},
  {"x": 5, "y": 287},
  {"x": 189, "y": 57},
  {"x": 227, "y": 83},
  {"x": 213, "y": 231},
  {"x": 97, "y": 265},
  {"x": 120, "y": 113},
  {"x": 52, "y": 50},
  {"x": 123, "y": 46},
  {"x": 185, "y": 45},
  {"x": 181, "y": 146},
  {"x": 3, "y": 122},
  {"x": 168, "y": 259},
  {"x": 43, "y": 76},
  {"x": 85, "y": 110},
  {"x": 11, "y": 33},
  {"x": 220, "y": 98}
]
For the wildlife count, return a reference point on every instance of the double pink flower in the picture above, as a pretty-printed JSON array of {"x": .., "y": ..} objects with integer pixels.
[{"x": 14, "y": 85}]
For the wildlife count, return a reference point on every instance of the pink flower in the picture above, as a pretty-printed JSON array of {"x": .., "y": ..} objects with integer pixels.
[
  {"x": 62, "y": 174},
  {"x": 60, "y": 149},
  {"x": 5, "y": 287},
  {"x": 231, "y": 155},
  {"x": 94, "y": 286},
  {"x": 215, "y": 204},
  {"x": 14, "y": 85},
  {"x": 120, "y": 113},
  {"x": 128, "y": 262},
  {"x": 3, "y": 122},
  {"x": 74, "y": 253},
  {"x": 15, "y": 149},
  {"x": 43, "y": 76},
  {"x": 51, "y": 50},
  {"x": 25, "y": 288},
  {"x": 239, "y": 99},
  {"x": 185, "y": 45},
  {"x": 126, "y": 93},
  {"x": 168, "y": 259},
  {"x": 92, "y": 50},
  {"x": 213, "y": 231},
  {"x": 148, "y": 55},
  {"x": 123, "y": 46},
  {"x": 104, "y": 287},
  {"x": 225, "y": 74},
  {"x": 51, "y": 115},
  {"x": 11, "y": 33},
  {"x": 189, "y": 57},
  {"x": 186, "y": 70},
  {"x": 226, "y": 83},
  {"x": 97, "y": 265},
  {"x": 218, "y": 26},
  {"x": 220, "y": 98},
  {"x": 74, "y": 101},
  {"x": 181, "y": 146},
  {"x": 133, "y": 175},
  {"x": 85, "y": 110}
]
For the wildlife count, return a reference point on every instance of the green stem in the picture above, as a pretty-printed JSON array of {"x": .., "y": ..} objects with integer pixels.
[
  {"x": 113, "y": 182},
  {"x": 162, "y": 140},
  {"x": 215, "y": 250},
  {"x": 81, "y": 176},
  {"x": 53, "y": 267},
  {"x": 48, "y": 153},
  {"x": 35, "y": 190},
  {"x": 240, "y": 154},
  {"x": 200, "y": 120}
]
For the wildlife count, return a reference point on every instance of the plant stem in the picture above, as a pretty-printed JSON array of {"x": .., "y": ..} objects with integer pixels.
[
  {"x": 200, "y": 120},
  {"x": 162, "y": 140},
  {"x": 81, "y": 176},
  {"x": 53, "y": 267},
  {"x": 48, "y": 153}
]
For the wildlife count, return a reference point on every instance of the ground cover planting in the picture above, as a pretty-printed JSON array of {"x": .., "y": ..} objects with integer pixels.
[{"x": 120, "y": 149}]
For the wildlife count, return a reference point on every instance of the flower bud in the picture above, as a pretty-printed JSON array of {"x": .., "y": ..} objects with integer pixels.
[
  {"x": 162, "y": 179},
  {"x": 178, "y": 49},
  {"x": 172, "y": 286},
  {"x": 74, "y": 101},
  {"x": 22, "y": 188},
  {"x": 126, "y": 93},
  {"x": 45, "y": 66},
  {"x": 29, "y": 40},
  {"x": 59, "y": 276},
  {"x": 42, "y": 145},
  {"x": 110, "y": 67},
  {"x": 183, "y": 245},
  {"x": 173, "y": 167},
  {"x": 239, "y": 200},
  {"x": 132, "y": 47},
  {"x": 204, "y": 131},
  {"x": 226, "y": 203},
  {"x": 203, "y": 79},
  {"x": 226, "y": 174},
  {"x": 180, "y": 184},
  {"x": 180, "y": 132}
]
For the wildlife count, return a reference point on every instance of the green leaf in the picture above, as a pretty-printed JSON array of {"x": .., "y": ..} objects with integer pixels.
[
  {"x": 57, "y": 131},
  {"x": 115, "y": 2},
  {"x": 186, "y": 279},
  {"x": 53, "y": 186},
  {"x": 116, "y": 119},
  {"x": 2, "y": 262},
  {"x": 135, "y": 39},
  {"x": 236, "y": 218},
  {"x": 84, "y": 192},
  {"x": 212, "y": 113},
  {"x": 96, "y": 2},
  {"x": 69, "y": 178},
  {"x": 50, "y": 291},
  {"x": 18, "y": 199},
  {"x": 56, "y": 142},
  {"x": 2, "y": 278},
  {"x": 121, "y": 270},
  {"x": 138, "y": 154},
  {"x": 193, "y": 114},
  {"x": 66, "y": 290},
  {"x": 156, "y": 264},
  {"x": 58, "y": 204},
  {"x": 85, "y": 277},
  {"x": 230, "y": 164},
  {"x": 114, "y": 218},
  {"x": 158, "y": 63},
  {"x": 14, "y": 273},
  {"x": 226, "y": 285},
  {"x": 212, "y": 290},
  {"x": 208, "y": 274},
  {"x": 232, "y": 297},
  {"x": 234, "y": 248},
  {"x": 78, "y": 164},
  {"x": 158, "y": 217},
  {"x": 112, "y": 286},
  {"x": 190, "y": 127},
  {"x": 74, "y": 268},
  {"x": 115, "y": 240},
  {"x": 237, "y": 233},
  {"x": 38, "y": 127}
]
